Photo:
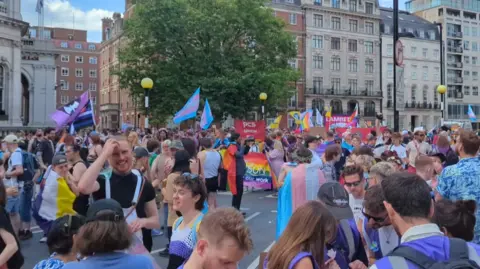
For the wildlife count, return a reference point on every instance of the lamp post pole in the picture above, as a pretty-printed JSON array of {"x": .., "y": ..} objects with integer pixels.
[
  {"x": 147, "y": 85},
  {"x": 263, "y": 97}
]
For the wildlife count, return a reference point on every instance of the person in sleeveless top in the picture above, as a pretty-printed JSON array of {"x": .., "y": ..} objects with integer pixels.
[
  {"x": 212, "y": 161},
  {"x": 302, "y": 244},
  {"x": 77, "y": 168},
  {"x": 189, "y": 194}
]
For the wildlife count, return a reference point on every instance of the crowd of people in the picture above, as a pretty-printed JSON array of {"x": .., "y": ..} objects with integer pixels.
[{"x": 386, "y": 200}]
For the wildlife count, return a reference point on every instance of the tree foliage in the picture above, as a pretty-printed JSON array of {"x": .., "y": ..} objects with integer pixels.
[{"x": 232, "y": 49}]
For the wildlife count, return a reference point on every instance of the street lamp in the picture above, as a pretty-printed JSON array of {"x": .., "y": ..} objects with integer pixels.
[
  {"x": 147, "y": 85},
  {"x": 263, "y": 97},
  {"x": 442, "y": 89}
]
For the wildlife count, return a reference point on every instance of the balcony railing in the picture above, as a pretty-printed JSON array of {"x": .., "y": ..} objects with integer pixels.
[
  {"x": 416, "y": 105},
  {"x": 455, "y": 49},
  {"x": 455, "y": 80},
  {"x": 343, "y": 92},
  {"x": 455, "y": 65},
  {"x": 455, "y": 34}
]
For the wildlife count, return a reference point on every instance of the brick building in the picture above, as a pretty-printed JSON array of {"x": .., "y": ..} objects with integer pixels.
[{"x": 77, "y": 63}]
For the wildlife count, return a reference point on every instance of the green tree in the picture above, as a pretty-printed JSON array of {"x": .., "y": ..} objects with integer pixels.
[{"x": 232, "y": 49}]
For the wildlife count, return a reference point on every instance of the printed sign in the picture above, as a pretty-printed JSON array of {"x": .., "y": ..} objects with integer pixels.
[
  {"x": 258, "y": 173},
  {"x": 250, "y": 128},
  {"x": 339, "y": 122}
]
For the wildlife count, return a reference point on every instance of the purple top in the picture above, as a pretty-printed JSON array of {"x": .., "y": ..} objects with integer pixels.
[{"x": 295, "y": 260}]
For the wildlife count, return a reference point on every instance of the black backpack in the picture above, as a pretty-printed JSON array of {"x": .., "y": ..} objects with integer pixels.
[{"x": 458, "y": 257}]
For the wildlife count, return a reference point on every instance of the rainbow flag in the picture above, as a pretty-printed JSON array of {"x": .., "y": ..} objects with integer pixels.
[
  {"x": 354, "y": 114},
  {"x": 305, "y": 126},
  {"x": 258, "y": 173}
]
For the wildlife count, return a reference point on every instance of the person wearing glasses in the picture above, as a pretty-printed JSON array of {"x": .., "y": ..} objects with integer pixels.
[
  {"x": 377, "y": 231},
  {"x": 417, "y": 147},
  {"x": 189, "y": 195},
  {"x": 60, "y": 242},
  {"x": 354, "y": 183}
]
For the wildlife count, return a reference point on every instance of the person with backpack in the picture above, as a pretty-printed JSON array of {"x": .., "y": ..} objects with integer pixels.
[{"x": 423, "y": 245}]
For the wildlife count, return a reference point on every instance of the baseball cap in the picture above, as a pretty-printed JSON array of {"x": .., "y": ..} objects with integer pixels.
[
  {"x": 105, "y": 209},
  {"x": 439, "y": 155},
  {"x": 11, "y": 138},
  {"x": 335, "y": 198},
  {"x": 59, "y": 159},
  {"x": 176, "y": 144},
  {"x": 140, "y": 152}
]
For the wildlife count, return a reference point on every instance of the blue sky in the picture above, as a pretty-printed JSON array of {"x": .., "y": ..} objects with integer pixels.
[
  {"x": 78, "y": 14},
  {"x": 88, "y": 13}
]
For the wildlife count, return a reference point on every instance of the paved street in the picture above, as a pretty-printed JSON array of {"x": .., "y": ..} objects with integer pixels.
[{"x": 261, "y": 217}]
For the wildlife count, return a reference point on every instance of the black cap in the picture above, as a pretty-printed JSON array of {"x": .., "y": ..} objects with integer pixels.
[
  {"x": 441, "y": 156},
  {"x": 59, "y": 159},
  {"x": 106, "y": 209},
  {"x": 335, "y": 197},
  {"x": 140, "y": 152}
]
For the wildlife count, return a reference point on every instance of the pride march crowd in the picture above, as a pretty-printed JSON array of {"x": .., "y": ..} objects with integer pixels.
[{"x": 346, "y": 197}]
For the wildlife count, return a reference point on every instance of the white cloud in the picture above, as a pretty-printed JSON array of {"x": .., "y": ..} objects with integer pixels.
[{"x": 61, "y": 13}]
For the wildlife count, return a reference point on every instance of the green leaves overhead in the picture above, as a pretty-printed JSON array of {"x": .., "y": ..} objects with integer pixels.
[{"x": 232, "y": 49}]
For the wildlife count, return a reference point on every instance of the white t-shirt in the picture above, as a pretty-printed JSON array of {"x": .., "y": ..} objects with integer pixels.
[
  {"x": 356, "y": 205},
  {"x": 412, "y": 147},
  {"x": 14, "y": 160},
  {"x": 400, "y": 150}
]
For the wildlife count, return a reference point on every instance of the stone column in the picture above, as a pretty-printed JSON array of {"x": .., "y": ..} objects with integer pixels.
[{"x": 15, "y": 94}]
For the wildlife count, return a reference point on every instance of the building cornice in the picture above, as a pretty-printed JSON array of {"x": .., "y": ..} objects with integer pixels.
[
  {"x": 15, "y": 23},
  {"x": 340, "y": 12}
]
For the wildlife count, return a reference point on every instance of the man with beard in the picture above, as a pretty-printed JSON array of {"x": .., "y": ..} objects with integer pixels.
[
  {"x": 125, "y": 185},
  {"x": 223, "y": 240},
  {"x": 461, "y": 181},
  {"x": 423, "y": 245}
]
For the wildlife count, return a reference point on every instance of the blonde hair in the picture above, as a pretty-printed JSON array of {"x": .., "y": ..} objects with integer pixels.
[{"x": 365, "y": 161}]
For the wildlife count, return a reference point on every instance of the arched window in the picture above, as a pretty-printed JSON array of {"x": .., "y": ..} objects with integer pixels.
[
  {"x": 336, "y": 107},
  {"x": 351, "y": 106},
  {"x": 369, "y": 109},
  {"x": 318, "y": 104}
]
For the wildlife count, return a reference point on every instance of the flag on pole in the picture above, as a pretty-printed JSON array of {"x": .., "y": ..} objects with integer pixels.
[
  {"x": 329, "y": 112},
  {"x": 66, "y": 114},
  {"x": 319, "y": 118},
  {"x": 39, "y": 7},
  {"x": 276, "y": 123},
  {"x": 85, "y": 119},
  {"x": 471, "y": 114},
  {"x": 354, "y": 114},
  {"x": 305, "y": 126},
  {"x": 296, "y": 116},
  {"x": 189, "y": 110},
  {"x": 207, "y": 116}
]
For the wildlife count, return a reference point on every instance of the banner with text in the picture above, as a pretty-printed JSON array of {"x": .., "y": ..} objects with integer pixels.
[
  {"x": 250, "y": 128},
  {"x": 339, "y": 121},
  {"x": 258, "y": 173}
]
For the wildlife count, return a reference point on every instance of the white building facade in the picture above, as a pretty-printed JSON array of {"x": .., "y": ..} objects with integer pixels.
[
  {"x": 343, "y": 56},
  {"x": 27, "y": 73},
  {"x": 421, "y": 71}
]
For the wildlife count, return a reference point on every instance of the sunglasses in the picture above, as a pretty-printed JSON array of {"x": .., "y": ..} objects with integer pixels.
[
  {"x": 376, "y": 219},
  {"x": 353, "y": 184}
]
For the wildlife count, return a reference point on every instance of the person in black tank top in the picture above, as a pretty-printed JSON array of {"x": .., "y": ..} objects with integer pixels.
[{"x": 79, "y": 166}]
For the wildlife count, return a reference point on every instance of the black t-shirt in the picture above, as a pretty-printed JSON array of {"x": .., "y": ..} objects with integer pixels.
[
  {"x": 46, "y": 147},
  {"x": 122, "y": 189},
  {"x": 17, "y": 260}
]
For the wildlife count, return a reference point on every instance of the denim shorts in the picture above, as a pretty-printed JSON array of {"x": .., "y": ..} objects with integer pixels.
[
  {"x": 13, "y": 204},
  {"x": 25, "y": 209}
]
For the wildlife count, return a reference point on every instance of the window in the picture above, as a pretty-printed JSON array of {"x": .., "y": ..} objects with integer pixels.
[
  {"x": 466, "y": 45},
  {"x": 78, "y": 86},
  {"x": 336, "y": 3},
  {"x": 475, "y": 90},
  {"x": 335, "y": 43},
  {"x": 317, "y": 42},
  {"x": 32, "y": 32},
  {"x": 317, "y": 62},
  {"x": 474, "y": 31},
  {"x": 79, "y": 72},
  {"x": 425, "y": 94},
  {"x": 369, "y": 8},
  {"x": 64, "y": 85},
  {"x": 436, "y": 75},
  {"x": 335, "y": 23},
  {"x": 293, "y": 18},
  {"x": 369, "y": 27},
  {"x": 352, "y": 65},
  {"x": 435, "y": 95},
  {"x": 386, "y": 29},
  {"x": 92, "y": 60},
  {"x": 466, "y": 31},
  {"x": 353, "y": 25},
  {"x": 318, "y": 2},
  {"x": 425, "y": 73},
  {"x": 353, "y": 5},
  {"x": 390, "y": 92},
  {"x": 79, "y": 59},
  {"x": 369, "y": 66},
  {"x": 78, "y": 46},
  {"x": 466, "y": 90},
  {"x": 64, "y": 45},
  {"x": 65, "y": 72},
  {"x": 390, "y": 50},
  {"x": 475, "y": 75},
  {"x": 413, "y": 93},
  {"x": 466, "y": 73},
  {"x": 94, "y": 100},
  {"x": 317, "y": 84},
  {"x": 64, "y": 99},
  {"x": 421, "y": 33},
  {"x": 92, "y": 86},
  {"x": 414, "y": 72},
  {"x": 318, "y": 20},
  {"x": 368, "y": 47},
  {"x": 65, "y": 58},
  {"x": 436, "y": 53},
  {"x": 335, "y": 63},
  {"x": 474, "y": 46},
  {"x": 466, "y": 59},
  {"x": 93, "y": 73},
  {"x": 390, "y": 70},
  {"x": 474, "y": 60},
  {"x": 424, "y": 53},
  {"x": 336, "y": 84},
  {"x": 352, "y": 45},
  {"x": 292, "y": 63},
  {"x": 92, "y": 47},
  {"x": 369, "y": 86},
  {"x": 431, "y": 34},
  {"x": 413, "y": 50},
  {"x": 353, "y": 85}
]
